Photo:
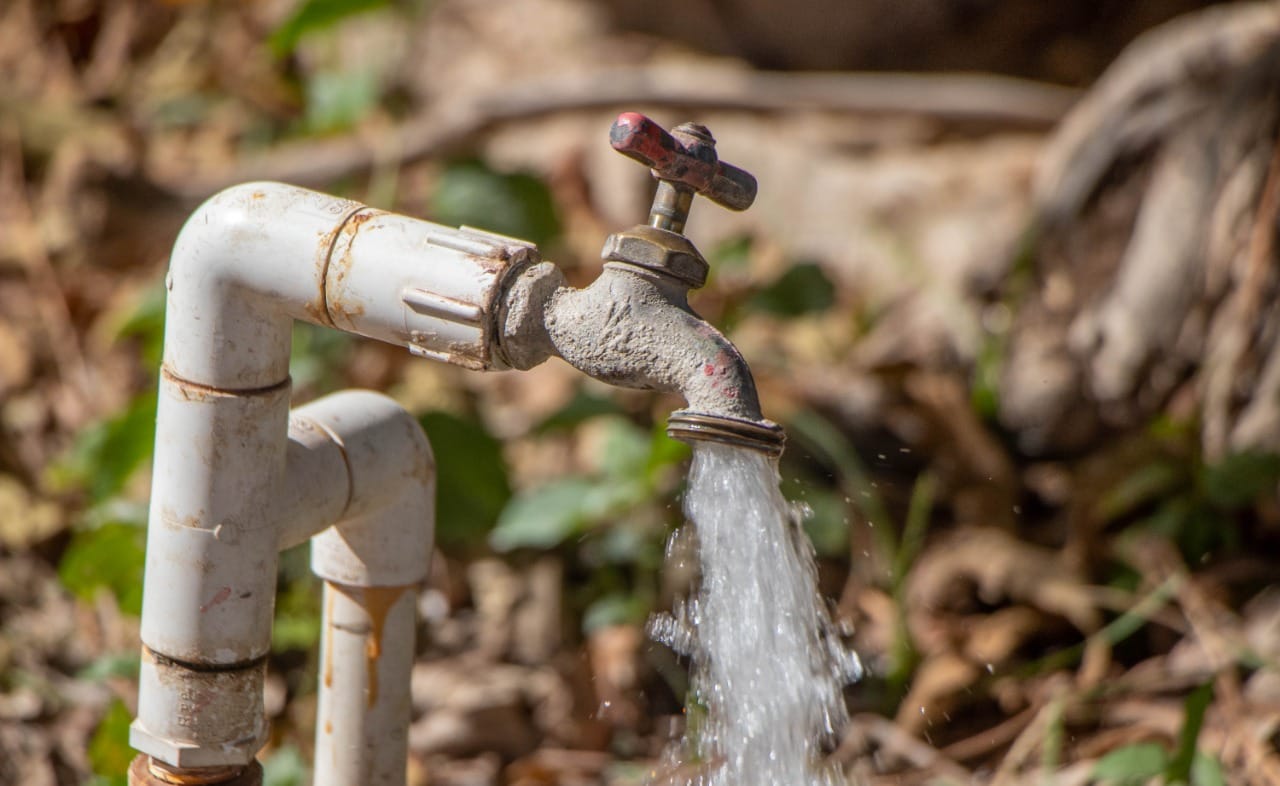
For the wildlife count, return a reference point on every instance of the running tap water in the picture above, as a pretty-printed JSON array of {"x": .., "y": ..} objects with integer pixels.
[{"x": 768, "y": 666}]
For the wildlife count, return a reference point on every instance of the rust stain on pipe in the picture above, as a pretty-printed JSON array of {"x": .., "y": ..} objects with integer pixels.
[
  {"x": 328, "y": 639},
  {"x": 338, "y": 265},
  {"x": 345, "y": 230},
  {"x": 377, "y": 602},
  {"x": 219, "y": 597},
  {"x": 146, "y": 771}
]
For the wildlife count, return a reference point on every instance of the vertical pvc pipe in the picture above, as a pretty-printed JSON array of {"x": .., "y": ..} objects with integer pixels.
[
  {"x": 372, "y": 562},
  {"x": 366, "y": 659},
  {"x": 249, "y": 262}
]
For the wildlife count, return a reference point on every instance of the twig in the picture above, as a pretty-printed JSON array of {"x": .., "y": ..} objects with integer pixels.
[
  {"x": 988, "y": 740},
  {"x": 971, "y": 98},
  {"x": 1259, "y": 418},
  {"x": 1162, "y": 78},
  {"x": 64, "y": 343},
  {"x": 886, "y": 734}
]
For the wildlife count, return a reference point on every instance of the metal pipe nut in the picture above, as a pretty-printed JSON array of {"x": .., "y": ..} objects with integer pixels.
[
  {"x": 145, "y": 771},
  {"x": 658, "y": 250}
]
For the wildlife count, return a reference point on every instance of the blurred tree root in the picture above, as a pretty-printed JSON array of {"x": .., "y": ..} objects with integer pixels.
[{"x": 1151, "y": 280}]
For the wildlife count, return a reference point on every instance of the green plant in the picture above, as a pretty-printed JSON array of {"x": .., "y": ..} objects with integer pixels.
[
  {"x": 109, "y": 752},
  {"x": 615, "y": 517},
  {"x": 803, "y": 289},
  {"x": 518, "y": 204},
  {"x": 896, "y": 546},
  {"x": 1138, "y": 764},
  {"x": 1175, "y": 493},
  {"x": 470, "y": 492}
]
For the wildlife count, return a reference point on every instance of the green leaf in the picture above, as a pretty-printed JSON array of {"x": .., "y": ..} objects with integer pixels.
[
  {"x": 985, "y": 381},
  {"x": 1241, "y": 478},
  {"x": 635, "y": 540},
  {"x": 285, "y": 767},
  {"x": 517, "y": 204},
  {"x": 118, "y": 664},
  {"x": 548, "y": 515},
  {"x": 471, "y": 484},
  {"x": 664, "y": 452},
  {"x": 614, "y": 609},
  {"x": 626, "y": 450},
  {"x": 337, "y": 100},
  {"x": 1132, "y": 765},
  {"x": 1179, "y": 769},
  {"x": 109, "y": 751},
  {"x": 110, "y": 557},
  {"x": 1206, "y": 770},
  {"x": 146, "y": 324},
  {"x": 105, "y": 455},
  {"x": 297, "y": 624},
  {"x": 319, "y": 354},
  {"x": 1149, "y": 481},
  {"x": 312, "y": 16},
  {"x": 732, "y": 254},
  {"x": 803, "y": 289},
  {"x": 582, "y": 407},
  {"x": 826, "y": 519}
]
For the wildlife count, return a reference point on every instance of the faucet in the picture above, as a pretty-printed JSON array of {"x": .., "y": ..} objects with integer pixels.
[
  {"x": 633, "y": 326},
  {"x": 238, "y": 476}
]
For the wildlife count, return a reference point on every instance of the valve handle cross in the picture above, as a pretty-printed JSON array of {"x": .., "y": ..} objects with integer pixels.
[{"x": 684, "y": 162}]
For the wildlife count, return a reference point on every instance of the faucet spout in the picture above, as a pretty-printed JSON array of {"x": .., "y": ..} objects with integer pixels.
[{"x": 633, "y": 327}]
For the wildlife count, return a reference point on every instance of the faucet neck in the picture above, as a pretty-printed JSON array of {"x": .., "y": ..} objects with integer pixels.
[{"x": 671, "y": 204}]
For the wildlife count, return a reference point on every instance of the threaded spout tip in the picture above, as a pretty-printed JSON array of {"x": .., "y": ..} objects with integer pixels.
[{"x": 764, "y": 436}]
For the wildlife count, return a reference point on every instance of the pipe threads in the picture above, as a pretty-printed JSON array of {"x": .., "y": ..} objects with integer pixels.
[
  {"x": 764, "y": 436},
  {"x": 147, "y": 771}
]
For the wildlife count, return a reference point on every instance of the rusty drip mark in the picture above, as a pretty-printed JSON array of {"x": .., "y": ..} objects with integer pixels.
[
  {"x": 328, "y": 635},
  {"x": 329, "y": 242},
  {"x": 219, "y": 597},
  {"x": 377, "y": 602}
]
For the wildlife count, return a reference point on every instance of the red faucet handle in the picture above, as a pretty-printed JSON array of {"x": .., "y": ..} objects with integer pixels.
[{"x": 690, "y": 161}]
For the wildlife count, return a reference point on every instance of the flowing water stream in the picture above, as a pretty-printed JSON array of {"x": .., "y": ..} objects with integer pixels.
[{"x": 768, "y": 668}]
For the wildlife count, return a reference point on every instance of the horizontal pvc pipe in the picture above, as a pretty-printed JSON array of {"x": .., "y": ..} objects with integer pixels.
[{"x": 256, "y": 256}]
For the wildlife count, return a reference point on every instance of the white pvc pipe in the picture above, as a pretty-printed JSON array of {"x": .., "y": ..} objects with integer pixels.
[
  {"x": 372, "y": 561},
  {"x": 229, "y": 488},
  {"x": 366, "y": 659}
]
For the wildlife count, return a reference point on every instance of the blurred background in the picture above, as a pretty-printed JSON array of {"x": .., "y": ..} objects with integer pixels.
[{"x": 1009, "y": 286}]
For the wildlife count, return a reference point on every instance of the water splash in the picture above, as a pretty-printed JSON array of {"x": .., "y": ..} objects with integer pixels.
[{"x": 769, "y": 669}]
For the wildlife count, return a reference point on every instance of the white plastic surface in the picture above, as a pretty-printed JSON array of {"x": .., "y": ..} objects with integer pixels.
[{"x": 366, "y": 658}]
